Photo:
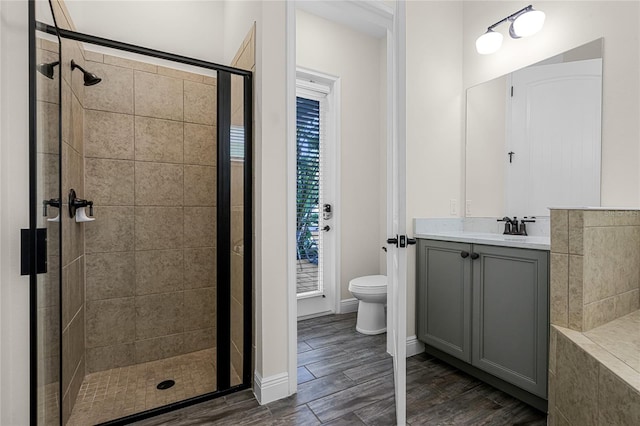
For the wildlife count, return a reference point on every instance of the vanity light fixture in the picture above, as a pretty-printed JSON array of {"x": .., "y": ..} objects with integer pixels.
[{"x": 524, "y": 23}]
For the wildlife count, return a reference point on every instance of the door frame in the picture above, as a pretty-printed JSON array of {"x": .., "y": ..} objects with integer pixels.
[
  {"x": 381, "y": 16},
  {"x": 331, "y": 160}
]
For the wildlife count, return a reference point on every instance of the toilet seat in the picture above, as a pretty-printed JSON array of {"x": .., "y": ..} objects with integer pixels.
[{"x": 370, "y": 284}]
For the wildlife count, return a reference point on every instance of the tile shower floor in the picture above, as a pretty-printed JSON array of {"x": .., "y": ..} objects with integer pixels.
[{"x": 119, "y": 392}]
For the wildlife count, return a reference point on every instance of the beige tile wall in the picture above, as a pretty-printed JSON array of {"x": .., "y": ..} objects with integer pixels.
[
  {"x": 48, "y": 284},
  {"x": 595, "y": 266},
  {"x": 588, "y": 385},
  {"x": 73, "y": 255},
  {"x": 150, "y": 135},
  {"x": 595, "y": 279},
  {"x": 245, "y": 59}
]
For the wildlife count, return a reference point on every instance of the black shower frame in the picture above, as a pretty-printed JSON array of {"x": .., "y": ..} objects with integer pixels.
[{"x": 223, "y": 287}]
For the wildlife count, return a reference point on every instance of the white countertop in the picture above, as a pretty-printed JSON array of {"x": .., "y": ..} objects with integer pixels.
[{"x": 517, "y": 241}]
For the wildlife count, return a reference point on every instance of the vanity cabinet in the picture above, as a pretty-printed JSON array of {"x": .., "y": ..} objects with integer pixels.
[
  {"x": 444, "y": 296},
  {"x": 487, "y": 306}
]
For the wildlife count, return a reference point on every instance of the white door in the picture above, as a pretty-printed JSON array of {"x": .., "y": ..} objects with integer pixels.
[
  {"x": 396, "y": 213},
  {"x": 555, "y": 130},
  {"x": 316, "y": 223}
]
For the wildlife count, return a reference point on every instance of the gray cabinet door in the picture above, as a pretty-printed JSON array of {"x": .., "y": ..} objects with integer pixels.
[
  {"x": 444, "y": 296},
  {"x": 510, "y": 315}
]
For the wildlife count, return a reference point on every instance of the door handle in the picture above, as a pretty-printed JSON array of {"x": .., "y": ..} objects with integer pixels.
[
  {"x": 464, "y": 254},
  {"x": 393, "y": 241},
  {"x": 411, "y": 241},
  {"x": 474, "y": 256}
]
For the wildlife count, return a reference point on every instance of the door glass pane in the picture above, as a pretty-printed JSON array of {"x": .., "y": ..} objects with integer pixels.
[
  {"x": 237, "y": 227},
  {"x": 308, "y": 197},
  {"x": 48, "y": 214},
  {"x": 140, "y": 146}
]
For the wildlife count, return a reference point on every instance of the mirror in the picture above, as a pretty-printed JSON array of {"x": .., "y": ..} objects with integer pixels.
[{"x": 533, "y": 137}]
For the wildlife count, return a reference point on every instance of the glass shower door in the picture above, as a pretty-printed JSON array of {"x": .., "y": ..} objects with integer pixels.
[
  {"x": 149, "y": 304},
  {"x": 239, "y": 156},
  {"x": 47, "y": 211}
]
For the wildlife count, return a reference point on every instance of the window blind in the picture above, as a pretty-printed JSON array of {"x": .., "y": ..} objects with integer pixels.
[
  {"x": 308, "y": 192},
  {"x": 237, "y": 142}
]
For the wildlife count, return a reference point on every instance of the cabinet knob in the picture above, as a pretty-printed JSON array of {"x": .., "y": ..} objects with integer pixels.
[
  {"x": 464, "y": 254},
  {"x": 474, "y": 256}
]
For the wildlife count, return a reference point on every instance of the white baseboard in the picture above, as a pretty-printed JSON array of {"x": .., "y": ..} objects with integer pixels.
[
  {"x": 348, "y": 305},
  {"x": 414, "y": 346},
  {"x": 272, "y": 388}
]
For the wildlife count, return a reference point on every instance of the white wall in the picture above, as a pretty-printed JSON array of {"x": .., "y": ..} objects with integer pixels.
[
  {"x": 238, "y": 18},
  {"x": 188, "y": 27},
  {"x": 270, "y": 190},
  {"x": 434, "y": 118},
  {"x": 354, "y": 57},
  {"x": 14, "y": 215},
  {"x": 382, "y": 165},
  {"x": 270, "y": 183}
]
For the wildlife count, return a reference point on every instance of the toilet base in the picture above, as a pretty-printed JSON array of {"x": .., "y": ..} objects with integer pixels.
[{"x": 371, "y": 318}]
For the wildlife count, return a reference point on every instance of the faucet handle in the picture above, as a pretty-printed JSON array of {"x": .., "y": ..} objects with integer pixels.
[{"x": 507, "y": 225}]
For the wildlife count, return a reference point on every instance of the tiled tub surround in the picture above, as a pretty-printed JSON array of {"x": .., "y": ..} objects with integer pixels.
[
  {"x": 594, "y": 377},
  {"x": 595, "y": 266},
  {"x": 594, "y": 359},
  {"x": 150, "y": 157}
]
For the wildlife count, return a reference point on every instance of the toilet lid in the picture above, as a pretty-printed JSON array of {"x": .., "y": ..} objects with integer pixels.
[{"x": 369, "y": 282}]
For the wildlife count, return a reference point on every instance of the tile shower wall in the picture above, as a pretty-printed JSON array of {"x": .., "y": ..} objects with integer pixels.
[
  {"x": 73, "y": 250},
  {"x": 595, "y": 266},
  {"x": 150, "y": 135},
  {"x": 245, "y": 59},
  {"x": 48, "y": 289}
]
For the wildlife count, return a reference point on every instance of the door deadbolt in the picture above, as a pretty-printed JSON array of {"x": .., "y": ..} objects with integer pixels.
[{"x": 327, "y": 212}]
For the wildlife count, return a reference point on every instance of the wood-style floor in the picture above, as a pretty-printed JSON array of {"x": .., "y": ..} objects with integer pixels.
[{"x": 346, "y": 378}]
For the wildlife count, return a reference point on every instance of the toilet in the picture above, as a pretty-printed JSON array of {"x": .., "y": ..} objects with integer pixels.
[{"x": 371, "y": 291}]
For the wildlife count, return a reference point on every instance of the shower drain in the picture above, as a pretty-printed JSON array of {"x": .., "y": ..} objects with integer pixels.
[{"x": 165, "y": 384}]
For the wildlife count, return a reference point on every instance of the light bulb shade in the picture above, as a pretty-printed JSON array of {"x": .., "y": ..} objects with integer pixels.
[
  {"x": 489, "y": 42},
  {"x": 527, "y": 24}
]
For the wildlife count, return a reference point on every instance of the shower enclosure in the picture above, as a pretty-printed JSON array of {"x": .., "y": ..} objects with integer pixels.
[{"x": 140, "y": 228}]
